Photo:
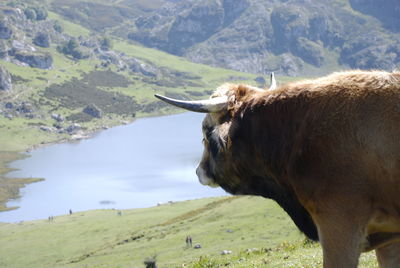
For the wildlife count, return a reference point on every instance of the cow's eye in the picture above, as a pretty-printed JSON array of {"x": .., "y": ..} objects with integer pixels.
[{"x": 213, "y": 147}]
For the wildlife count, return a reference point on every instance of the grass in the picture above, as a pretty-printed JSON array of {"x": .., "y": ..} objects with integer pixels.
[
  {"x": 10, "y": 186},
  {"x": 256, "y": 230},
  {"x": 72, "y": 29}
]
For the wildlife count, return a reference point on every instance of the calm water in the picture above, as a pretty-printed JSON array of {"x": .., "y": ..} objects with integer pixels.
[{"x": 138, "y": 165}]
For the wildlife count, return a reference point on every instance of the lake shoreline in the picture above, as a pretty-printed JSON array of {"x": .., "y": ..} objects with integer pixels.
[
  {"x": 11, "y": 187},
  {"x": 27, "y": 178}
]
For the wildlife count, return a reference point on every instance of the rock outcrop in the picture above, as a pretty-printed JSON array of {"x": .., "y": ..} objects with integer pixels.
[
  {"x": 5, "y": 79},
  {"x": 93, "y": 111},
  {"x": 42, "y": 40},
  {"x": 289, "y": 37},
  {"x": 5, "y": 30},
  {"x": 41, "y": 61}
]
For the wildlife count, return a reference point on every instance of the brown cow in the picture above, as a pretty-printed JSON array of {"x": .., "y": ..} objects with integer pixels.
[{"x": 327, "y": 150}]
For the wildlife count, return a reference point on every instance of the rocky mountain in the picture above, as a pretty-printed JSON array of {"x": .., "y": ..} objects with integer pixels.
[{"x": 288, "y": 36}]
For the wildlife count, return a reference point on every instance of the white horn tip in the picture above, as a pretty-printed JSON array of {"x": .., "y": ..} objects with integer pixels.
[{"x": 273, "y": 84}]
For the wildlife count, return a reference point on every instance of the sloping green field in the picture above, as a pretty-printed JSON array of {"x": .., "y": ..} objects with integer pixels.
[{"x": 256, "y": 230}]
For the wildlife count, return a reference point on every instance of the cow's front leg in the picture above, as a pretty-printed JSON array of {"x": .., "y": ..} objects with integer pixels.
[
  {"x": 389, "y": 256},
  {"x": 340, "y": 241},
  {"x": 341, "y": 235}
]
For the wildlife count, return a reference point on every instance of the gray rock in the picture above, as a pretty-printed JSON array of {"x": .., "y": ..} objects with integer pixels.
[
  {"x": 110, "y": 56},
  {"x": 226, "y": 252},
  {"x": 3, "y": 49},
  {"x": 9, "y": 105},
  {"x": 57, "y": 117},
  {"x": 140, "y": 67},
  {"x": 47, "y": 129},
  {"x": 42, "y": 40},
  {"x": 73, "y": 128},
  {"x": 58, "y": 126},
  {"x": 93, "y": 110},
  {"x": 5, "y": 30},
  {"x": 41, "y": 61},
  {"x": 197, "y": 246},
  {"x": 9, "y": 116},
  {"x": 5, "y": 79},
  {"x": 18, "y": 46},
  {"x": 24, "y": 107}
]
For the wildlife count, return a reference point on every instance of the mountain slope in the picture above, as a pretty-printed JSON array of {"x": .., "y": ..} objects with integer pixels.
[{"x": 289, "y": 37}]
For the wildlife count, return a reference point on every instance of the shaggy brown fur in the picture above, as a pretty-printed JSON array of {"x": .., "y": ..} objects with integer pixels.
[{"x": 327, "y": 150}]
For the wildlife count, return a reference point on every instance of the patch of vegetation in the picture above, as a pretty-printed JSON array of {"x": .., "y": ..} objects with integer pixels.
[
  {"x": 79, "y": 117},
  {"x": 77, "y": 94},
  {"x": 73, "y": 49},
  {"x": 16, "y": 79},
  {"x": 106, "y": 43},
  {"x": 57, "y": 26},
  {"x": 93, "y": 15},
  {"x": 36, "y": 13},
  {"x": 106, "y": 78},
  {"x": 14, "y": 184}
]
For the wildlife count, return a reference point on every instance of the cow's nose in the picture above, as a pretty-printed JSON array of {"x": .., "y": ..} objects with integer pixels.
[{"x": 198, "y": 171}]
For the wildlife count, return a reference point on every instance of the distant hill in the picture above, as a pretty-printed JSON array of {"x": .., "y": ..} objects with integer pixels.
[{"x": 291, "y": 37}]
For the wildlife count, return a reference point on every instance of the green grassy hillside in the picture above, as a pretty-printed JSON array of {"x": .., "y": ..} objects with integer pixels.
[{"x": 256, "y": 230}]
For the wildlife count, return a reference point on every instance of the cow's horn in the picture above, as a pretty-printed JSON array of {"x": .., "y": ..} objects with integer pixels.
[
  {"x": 272, "y": 82},
  {"x": 212, "y": 105}
]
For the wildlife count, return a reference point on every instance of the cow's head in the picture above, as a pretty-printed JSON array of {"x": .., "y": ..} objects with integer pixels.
[{"x": 216, "y": 128}]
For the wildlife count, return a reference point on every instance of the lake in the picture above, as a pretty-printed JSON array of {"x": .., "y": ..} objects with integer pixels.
[{"x": 138, "y": 165}]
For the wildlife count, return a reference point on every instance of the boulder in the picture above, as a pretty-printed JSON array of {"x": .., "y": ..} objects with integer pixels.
[
  {"x": 42, "y": 40},
  {"x": 47, "y": 129},
  {"x": 110, "y": 56},
  {"x": 9, "y": 105},
  {"x": 5, "y": 79},
  {"x": 93, "y": 110},
  {"x": 226, "y": 252},
  {"x": 24, "y": 107},
  {"x": 139, "y": 67},
  {"x": 41, "y": 61},
  {"x": 5, "y": 31},
  {"x": 18, "y": 46},
  {"x": 57, "y": 117},
  {"x": 3, "y": 49},
  {"x": 73, "y": 128}
]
